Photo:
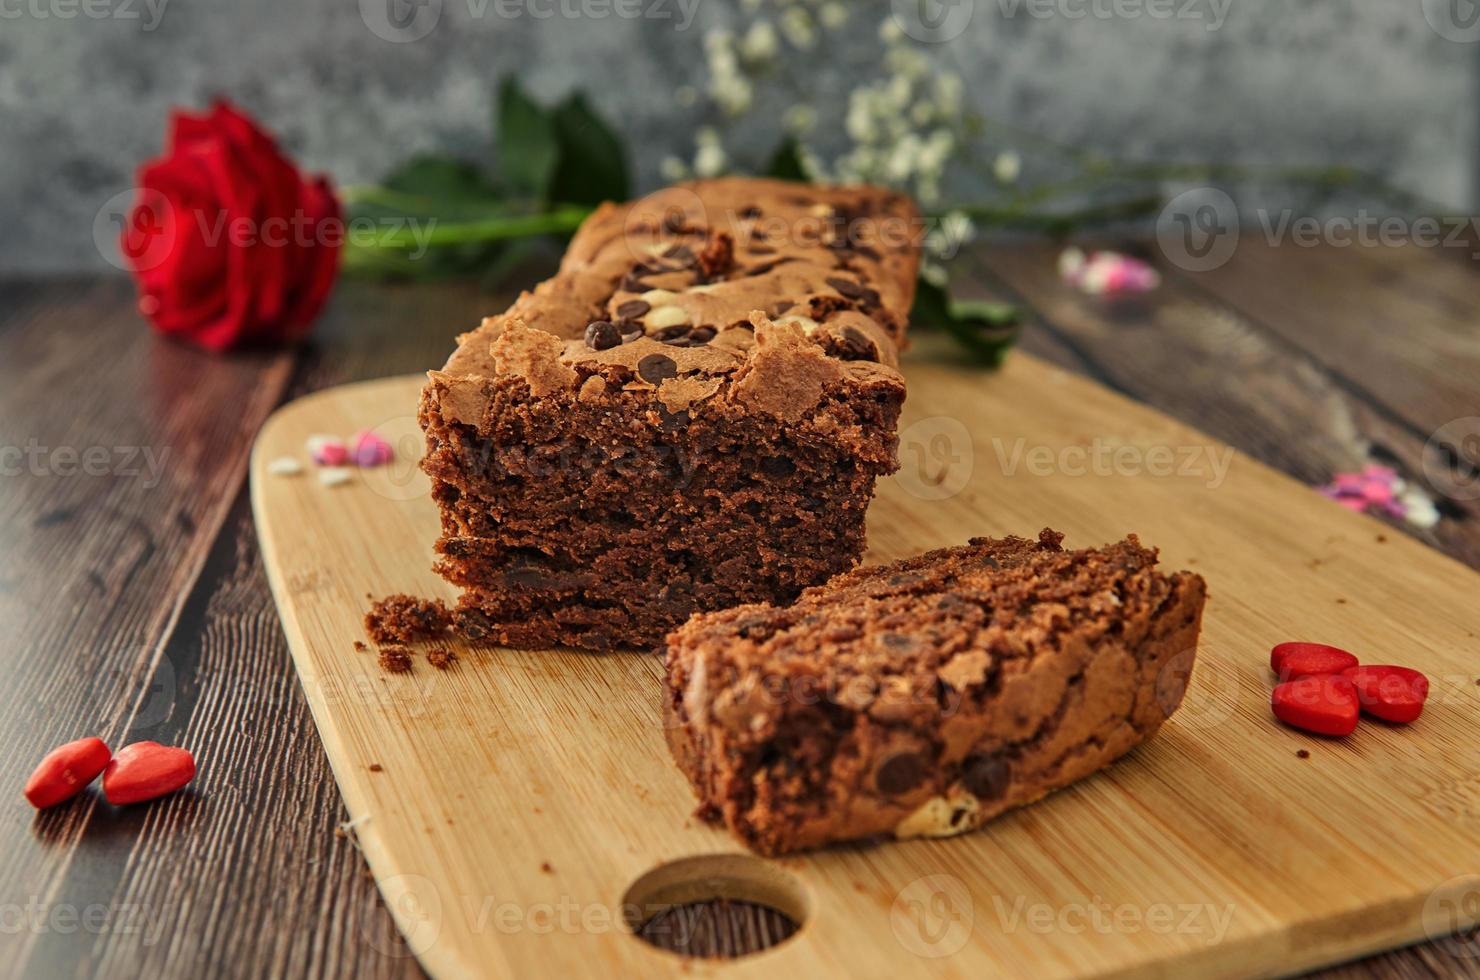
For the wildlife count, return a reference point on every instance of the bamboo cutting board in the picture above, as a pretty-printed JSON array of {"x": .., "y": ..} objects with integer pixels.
[{"x": 518, "y": 809}]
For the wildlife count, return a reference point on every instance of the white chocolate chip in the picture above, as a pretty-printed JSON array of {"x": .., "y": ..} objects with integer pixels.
[
  {"x": 658, "y": 297},
  {"x": 333, "y": 476},
  {"x": 657, "y": 248},
  {"x": 285, "y": 466},
  {"x": 703, "y": 287},
  {"x": 807, "y": 324},
  {"x": 666, "y": 316},
  {"x": 939, "y": 816}
]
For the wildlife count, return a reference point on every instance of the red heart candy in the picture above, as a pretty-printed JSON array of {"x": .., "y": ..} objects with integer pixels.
[
  {"x": 1302, "y": 659},
  {"x": 1388, "y": 692},
  {"x": 145, "y": 770},
  {"x": 1323, "y": 703},
  {"x": 65, "y": 771}
]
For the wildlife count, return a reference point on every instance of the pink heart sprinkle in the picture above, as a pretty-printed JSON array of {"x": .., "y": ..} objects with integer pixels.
[
  {"x": 330, "y": 454},
  {"x": 371, "y": 450}
]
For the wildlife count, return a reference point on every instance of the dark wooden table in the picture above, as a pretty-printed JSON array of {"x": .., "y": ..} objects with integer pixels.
[{"x": 133, "y": 603}]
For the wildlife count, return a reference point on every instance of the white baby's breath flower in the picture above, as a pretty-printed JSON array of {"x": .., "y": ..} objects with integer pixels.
[
  {"x": 907, "y": 62},
  {"x": 935, "y": 151},
  {"x": 1007, "y": 167},
  {"x": 797, "y": 25},
  {"x": 948, "y": 89},
  {"x": 921, "y": 113},
  {"x": 890, "y": 32},
  {"x": 933, "y": 273},
  {"x": 859, "y": 122},
  {"x": 759, "y": 43},
  {"x": 812, "y": 165},
  {"x": 903, "y": 159},
  {"x": 718, "y": 39},
  {"x": 833, "y": 15},
  {"x": 671, "y": 168},
  {"x": 710, "y": 160},
  {"x": 799, "y": 120},
  {"x": 898, "y": 92}
]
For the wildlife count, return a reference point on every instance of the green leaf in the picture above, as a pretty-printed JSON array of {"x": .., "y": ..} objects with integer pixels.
[
  {"x": 786, "y": 162},
  {"x": 435, "y": 178},
  {"x": 986, "y": 329},
  {"x": 527, "y": 148},
  {"x": 592, "y": 162}
]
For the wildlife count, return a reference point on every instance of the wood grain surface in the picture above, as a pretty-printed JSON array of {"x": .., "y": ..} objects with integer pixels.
[
  {"x": 521, "y": 782},
  {"x": 140, "y": 611}
]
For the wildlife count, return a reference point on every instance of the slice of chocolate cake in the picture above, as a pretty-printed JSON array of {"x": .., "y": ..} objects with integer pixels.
[
  {"x": 925, "y": 697},
  {"x": 690, "y": 415}
]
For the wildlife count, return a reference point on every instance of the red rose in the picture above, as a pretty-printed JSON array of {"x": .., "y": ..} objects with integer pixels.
[{"x": 228, "y": 242}]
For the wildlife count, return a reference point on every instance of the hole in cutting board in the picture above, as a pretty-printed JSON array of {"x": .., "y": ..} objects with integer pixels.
[{"x": 715, "y": 905}]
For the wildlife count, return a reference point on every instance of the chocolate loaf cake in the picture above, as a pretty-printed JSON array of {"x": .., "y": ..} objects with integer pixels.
[
  {"x": 689, "y": 415},
  {"x": 925, "y": 697}
]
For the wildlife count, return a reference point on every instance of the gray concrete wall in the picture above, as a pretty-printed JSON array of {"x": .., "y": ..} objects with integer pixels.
[{"x": 85, "y": 85}]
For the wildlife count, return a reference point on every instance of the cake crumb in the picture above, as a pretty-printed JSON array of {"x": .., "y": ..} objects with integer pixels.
[
  {"x": 395, "y": 659},
  {"x": 546, "y": 868},
  {"x": 401, "y": 618},
  {"x": 1303, "y": 754},
  {"x": 441, "y": 658},
  {"x": 376, "y": 767},
  {"x": 360, "y": 646}
]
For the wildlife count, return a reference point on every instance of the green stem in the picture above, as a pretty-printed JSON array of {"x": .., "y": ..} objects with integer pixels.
[{"x": 563, "y": 219}]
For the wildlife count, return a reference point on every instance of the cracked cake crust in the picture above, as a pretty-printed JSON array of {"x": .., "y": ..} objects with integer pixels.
[{"x": 925, "y": 697}]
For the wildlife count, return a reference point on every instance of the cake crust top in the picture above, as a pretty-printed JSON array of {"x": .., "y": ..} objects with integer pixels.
[{"x": 766, "y": 293}]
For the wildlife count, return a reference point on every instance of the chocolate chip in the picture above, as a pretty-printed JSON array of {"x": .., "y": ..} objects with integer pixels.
[
  {"x": 656, "y": 367},
  {"x": 633, "y": 308},
  {"x": 681, "y": 254},
  {"x": 847, "y": 287},
  {"x": 761, "y": 250},
  {"x": 899, "y": 774},
  {"x": 986, "y": 777},
  {"x": 669, "y": 335},
  {"x": 857, "y": 346},
  {"x": 630, "y": 331},
  {"x": 750, "y": 212},
  {"x": 702, "y": 335},
  {"x": 632, "y": 284},
  {"x": 674, "y": 220},
  {"x": 601, "y": 334}
]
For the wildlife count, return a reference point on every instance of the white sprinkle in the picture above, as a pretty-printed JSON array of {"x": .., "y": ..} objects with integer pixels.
[
  {"x": 333, "y": 476},
  {"x": 285, "y": 466}
]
